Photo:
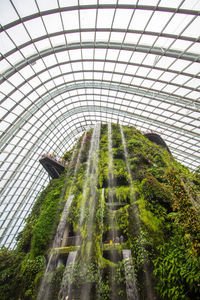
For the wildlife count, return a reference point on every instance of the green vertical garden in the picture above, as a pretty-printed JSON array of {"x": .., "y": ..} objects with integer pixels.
[{"x": 148, "y": 198}]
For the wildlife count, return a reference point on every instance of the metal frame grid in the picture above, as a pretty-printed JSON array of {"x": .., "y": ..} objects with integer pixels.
[{"x": 65, "y": 65}]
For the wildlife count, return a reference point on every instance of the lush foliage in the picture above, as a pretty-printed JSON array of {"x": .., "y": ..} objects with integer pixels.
[{"x": 155, "y": 207}]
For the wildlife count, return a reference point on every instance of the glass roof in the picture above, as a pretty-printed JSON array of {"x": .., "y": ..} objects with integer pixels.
[{"x": 65, "y": 65}]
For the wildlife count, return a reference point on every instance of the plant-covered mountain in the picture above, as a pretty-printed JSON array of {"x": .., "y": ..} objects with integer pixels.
[{"x": 122, "y": 222}]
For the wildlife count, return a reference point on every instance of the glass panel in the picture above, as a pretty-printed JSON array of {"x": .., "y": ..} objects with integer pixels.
[
  {"x": 18, "y": 34},
  {"x": 7, "y": 12}
]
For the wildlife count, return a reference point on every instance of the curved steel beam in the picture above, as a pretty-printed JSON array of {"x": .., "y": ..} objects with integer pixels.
[
  {"x": 118, "y": 30},
  {"x": 101, "y": 45},
  {"x": 100, "y": 6},
  {"x": 115, "y": 111},
  {"x": 32, "y": 110}
]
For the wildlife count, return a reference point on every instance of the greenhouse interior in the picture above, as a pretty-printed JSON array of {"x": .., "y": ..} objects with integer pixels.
[{"x": 100, "y": 150}]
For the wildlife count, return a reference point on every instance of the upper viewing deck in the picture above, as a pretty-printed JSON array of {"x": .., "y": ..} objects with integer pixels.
[{"x": 53, "y": 165}]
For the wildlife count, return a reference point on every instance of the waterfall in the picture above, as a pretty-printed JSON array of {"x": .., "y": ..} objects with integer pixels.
[
  {"x": 89, "y": 197},
  {"x": 148, "y": 281},
  {"x": 102, "y": 213},
  {"x": 131, "y": 288},
  {"x": 44, "y": 291},
  {"x": 91, "y": 172},
  {"x": 67, "y": 276},
  {"x": 110, "y": 180}
]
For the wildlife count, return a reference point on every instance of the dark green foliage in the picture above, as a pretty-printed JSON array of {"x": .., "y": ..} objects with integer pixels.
[
  {"x": 177, "y": 270},
  {"x": 31, "y": 271},
  {"x": 10, "y": 280},
  {"x": 47, "y": 222},
  {"x": 158, "y": 217}
]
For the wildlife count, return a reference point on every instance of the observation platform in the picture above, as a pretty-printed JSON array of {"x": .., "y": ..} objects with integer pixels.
[
  {"x": 53, "y": 166},
  {"x": 156, "y": 138}
]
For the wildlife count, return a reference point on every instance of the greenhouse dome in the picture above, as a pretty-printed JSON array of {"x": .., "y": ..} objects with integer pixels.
[{"x": 66, "y": 65}]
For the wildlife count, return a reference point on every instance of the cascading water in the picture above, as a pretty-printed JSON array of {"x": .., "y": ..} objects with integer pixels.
[
  {"x": 148, "y": 285},
  {"x": 91, "y": 168},
  {"x": 131, "y": 287},
  {"x": 112, "y": 221},
  {"x": 88, "y": 203},
  {"x": 111, "y": 184},
  {"x": 67, "y": 276},
  {"x": 44, "y": 291},
  {"x": 91, "y": 184}
]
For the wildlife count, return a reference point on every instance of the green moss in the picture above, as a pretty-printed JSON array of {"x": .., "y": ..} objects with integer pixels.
[{"x": 157, "y": 217}]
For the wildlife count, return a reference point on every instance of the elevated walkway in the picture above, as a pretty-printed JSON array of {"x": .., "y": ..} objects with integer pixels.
[
  {"x": 54, "y": 167},
  {"x": 105, "y": 247}
]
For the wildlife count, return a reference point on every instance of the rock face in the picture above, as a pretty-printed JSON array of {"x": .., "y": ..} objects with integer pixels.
[{"x": 122, "y": 214}]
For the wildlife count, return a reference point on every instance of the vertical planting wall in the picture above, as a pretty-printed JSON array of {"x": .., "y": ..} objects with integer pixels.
[{"x": 119, "y": 192}]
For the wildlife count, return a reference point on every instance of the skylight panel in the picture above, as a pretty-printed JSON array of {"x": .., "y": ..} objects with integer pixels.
[
  {"x": 117, "y": 37},
  {"x": 18, "y": 34},
  {"x": 6, "y": 87},
  {"x": 59, "y": 81},
  {"x": 4, "y": 66},
  {"x": 53, "y": 23},
  {"x": 165, "y": 61},
  {"x": 178, "y": 23},
  {"x": 158, "y": 21},
  {"x": 88, "y": 18},
  {"x": 25, "y": 89},
  {"x": 122, "y": 18},
  {"x": 137, "y": 57},
  {"x": 140, "y": 19},
  {"x": 105, "y": 18},
  {"x": 148, "y": 39},
  {"x": 102, "y": 36},
  {"x": 87, "y": 53},
  {"x": 70, "y": 20},
  {"x": 46, "y": 4},
  {"x": 164, "y": 42},
  {"x": 137, "y": 81},
  {"x": 191, "y": 4},
  {"x": 7, "y": 13},
  {"x": 35, "y": 28},
  {"x": 42, "y": 45},
  {"x": 193, "y": 69},
  {"x": 26, "y": 72},
  {"x": 49, "y": 85},
  {"x": 181, "y": 45},
  {"x": 15, "y": 58},
  {"x": 147, "y": 83},
  {"x": 132, "y": 38},
  {"x": 112, "y": 54},
  {"x": 5, "y": 43},
  {"x": 195, "y": 48},
  {"x": 194, "y": 95},
  {"x": 62, "y": 3},
  {"x": 87, "y": 36},
  {"x": 193, "y": 29},
  {"x": 28, "y": 51},
  {"x": 98, "y": 54}
]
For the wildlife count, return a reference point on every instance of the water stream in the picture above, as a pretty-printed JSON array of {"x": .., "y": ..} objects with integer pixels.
[
  {"x": 67, "y": 276},
  {"x": 87, "y": 210},
  {"x": 147, "y": 273},
  {"x": 131, "y": 287},
  {"x": 44, "y": 291},
  {"x": 91, "y": 185}
]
